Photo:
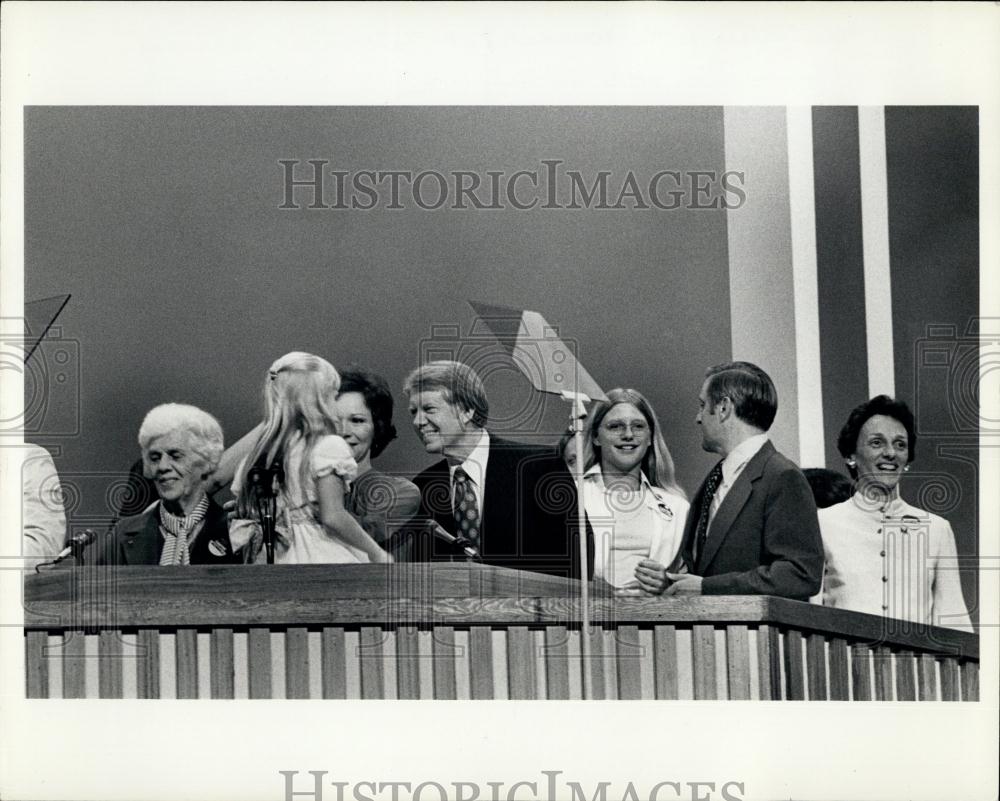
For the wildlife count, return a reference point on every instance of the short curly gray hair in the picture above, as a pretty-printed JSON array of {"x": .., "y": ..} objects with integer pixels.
[{"x": 206, "y": 433}]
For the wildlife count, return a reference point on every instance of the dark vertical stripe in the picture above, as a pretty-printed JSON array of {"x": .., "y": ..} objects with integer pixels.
[
  {"x": 839, "y": 269},
  {"x": 932, "y": 163}
]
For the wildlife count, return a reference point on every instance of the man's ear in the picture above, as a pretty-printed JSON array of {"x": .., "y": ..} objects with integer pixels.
[
  {"x": 466, "y": 415},
  {"x": 724, "y": 408}
]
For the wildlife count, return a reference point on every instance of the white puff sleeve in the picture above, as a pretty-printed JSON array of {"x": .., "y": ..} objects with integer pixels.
[{"x": 331, "y": 455}]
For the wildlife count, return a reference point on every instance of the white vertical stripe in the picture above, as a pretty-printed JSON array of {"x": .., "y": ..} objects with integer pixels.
[
  {"x": 91, "y": 667},
  {"x": 499, "y": 643},
  {"x": 241, "y": 665},
  {"x": 685, "y": 665},
  {"x": 875, "y": 236},
  {"x": 754, "y": 666},
  {"x": 390, "y": 679},
  {"x": 541, "y": 677},
  {"x": 278, "y": 664},
  {"x": 721, "y": 665},
  {"x": 204, "y": 654},
  {"x": 425, "y": 664},
  {"x": 316, "y": 664},
  {"x": 54, "y": 656},
  {"x": 462, "y": 688},
  {"x": 647, "y": 677},
  {"x": 130, "y": 665},
  {"x": 802, "y": 205},
  {"x": 352, "y": 664},
  {"x": 575, "y": 661},
  {"x": 168, "y": 665}
]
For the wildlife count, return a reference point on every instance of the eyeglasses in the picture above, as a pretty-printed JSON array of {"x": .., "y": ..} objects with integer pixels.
[{"x": 616, "y": 427}]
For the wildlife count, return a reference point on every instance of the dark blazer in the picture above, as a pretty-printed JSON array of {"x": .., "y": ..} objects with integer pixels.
[
  {"x": 528, "y": 519},
  {"x": 765, "y": 537},
  {"x": 137, "y": 540}
]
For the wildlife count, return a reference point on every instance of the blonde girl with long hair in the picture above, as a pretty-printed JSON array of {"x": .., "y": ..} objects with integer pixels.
[{"x": 299, "y": 436}]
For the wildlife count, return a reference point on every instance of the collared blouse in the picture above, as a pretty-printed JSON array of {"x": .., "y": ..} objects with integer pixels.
[{"x": 631, "y": 526}]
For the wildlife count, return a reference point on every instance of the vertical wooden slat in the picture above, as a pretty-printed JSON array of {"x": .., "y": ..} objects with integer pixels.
[
  {"x": 372, "y": 674},
  {"x": 444, "y": 662},
  {"x": 297, "y": 662},
  {"x": 109, "y": 649},
  {"x": 969, "y": 672},
  {"x": 769, "y": 663},
  {"x": 223, "y": 664},
  {"x": 74, "y": 669},
  {"x": 816, "y": 666},
  {"x": 628, "y": 652},
  {"x": 480, "y": 663},
  {"x": 334, "y": 663},
  {"x": 36, "y": 665},
  {"x": 860, "y": 676},
  {"x": 521, "y": 663},
  {"x": 703, "y": 654},
  {"x": 259, "y": 662},
  {"x": 795, "y": 684},
  {"x": 949, "y": 678},
  {"x": 883, "y": 673},
  {"x": 738, "y": 662},
  {"x": 148, "y": 669},
  {"x": 557, "y": 662},
  {"x": 906, "y": 686},
  {"x": 187, "y": 663},
  {"x": 840, "y": 688},
  {"x": 926, "y": 678},
  {"x": 665, "y": 648},
  {"x": 596, "y": 663},
  {"x": 407, "y": 663}
]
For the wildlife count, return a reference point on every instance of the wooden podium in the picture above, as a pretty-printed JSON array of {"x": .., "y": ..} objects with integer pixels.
[{"x": 457, "y": 631}]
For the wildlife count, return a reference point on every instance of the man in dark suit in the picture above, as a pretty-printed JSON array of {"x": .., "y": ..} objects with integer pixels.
[
  {"x": 514, "y": 503},
  {"x": 752, "y": 529}
]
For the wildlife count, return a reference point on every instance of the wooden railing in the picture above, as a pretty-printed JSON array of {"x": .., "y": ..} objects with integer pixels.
[{"x": 457, "y": 631}]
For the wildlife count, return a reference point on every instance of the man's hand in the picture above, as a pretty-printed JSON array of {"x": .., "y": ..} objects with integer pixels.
[
  {"x": 652, "y": 577},
  {"x": 683, "y": 584}
]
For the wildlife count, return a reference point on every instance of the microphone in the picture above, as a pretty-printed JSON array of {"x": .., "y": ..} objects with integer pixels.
[
  {"x": 467, "y": 547},
  {"x": 76, "y": 544}
]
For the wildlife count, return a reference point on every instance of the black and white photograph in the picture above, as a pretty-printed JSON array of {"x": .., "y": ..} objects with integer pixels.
[{"x": 534, "y": 419}]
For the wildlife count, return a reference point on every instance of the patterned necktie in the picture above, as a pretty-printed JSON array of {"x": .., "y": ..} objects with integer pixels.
[
  {"x": 711, "y": 486},
  {"x": 466, "y": 508}
]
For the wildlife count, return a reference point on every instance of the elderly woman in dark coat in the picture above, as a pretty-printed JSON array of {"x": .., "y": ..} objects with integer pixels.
[{"x": 181, "y": 447}]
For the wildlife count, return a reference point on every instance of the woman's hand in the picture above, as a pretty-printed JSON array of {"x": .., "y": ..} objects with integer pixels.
[{"x": 651, "y": 576}]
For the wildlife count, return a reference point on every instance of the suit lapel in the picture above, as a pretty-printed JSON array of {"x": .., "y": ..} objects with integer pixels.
[{"x": 733, "y": 504}]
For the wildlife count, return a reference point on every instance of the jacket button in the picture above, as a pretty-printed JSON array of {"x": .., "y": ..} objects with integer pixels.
[
  {"x": 884, "y": 607},
  {"x": 882, "y": 553},
  {"x": 885, "y": 578}
]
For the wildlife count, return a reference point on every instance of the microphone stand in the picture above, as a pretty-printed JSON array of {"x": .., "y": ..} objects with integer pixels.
[
  {"x": 577, "y": 417},
  {"x": 263, "y": 481}
]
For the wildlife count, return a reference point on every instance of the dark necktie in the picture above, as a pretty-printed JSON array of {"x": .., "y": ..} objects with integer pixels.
[
  {"x": 466, "y": 508},
  {"x": 711, "y": 486}
]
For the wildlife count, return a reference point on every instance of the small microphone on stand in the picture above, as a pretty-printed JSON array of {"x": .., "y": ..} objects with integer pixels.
[
  {"x": 263, "y": 489},
  {"x": 470, "y": 550},
  {"x": 74, "y": 547}
]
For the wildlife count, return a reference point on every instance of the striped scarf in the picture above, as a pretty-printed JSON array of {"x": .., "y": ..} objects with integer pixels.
[{"x": 177, "y": 533}]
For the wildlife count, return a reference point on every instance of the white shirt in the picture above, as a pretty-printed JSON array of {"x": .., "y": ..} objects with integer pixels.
[
  {"x": 475, "y": 468},
  {"x": 897, "y": 562},
  {"x": 43, "y": 518},
  {"x": 630, "y": 527},
  {"x": 732, "y": 466}
]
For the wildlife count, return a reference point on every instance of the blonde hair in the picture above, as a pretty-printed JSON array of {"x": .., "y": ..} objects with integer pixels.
[
  {"x": 299, "y": 403},
  {"x": 657, "y": 463}
]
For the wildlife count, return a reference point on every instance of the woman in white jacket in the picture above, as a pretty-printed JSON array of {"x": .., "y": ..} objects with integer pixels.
[{"x": 635, "y": 508}]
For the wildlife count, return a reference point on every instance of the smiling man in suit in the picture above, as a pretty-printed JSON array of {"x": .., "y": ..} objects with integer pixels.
[
  {"x": 515, "y": 503},
  {"x": 753, "y": 528}
]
